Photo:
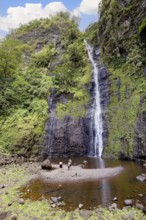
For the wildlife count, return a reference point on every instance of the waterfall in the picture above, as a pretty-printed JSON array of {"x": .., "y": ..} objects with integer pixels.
[{"x": 98, "y": 124}]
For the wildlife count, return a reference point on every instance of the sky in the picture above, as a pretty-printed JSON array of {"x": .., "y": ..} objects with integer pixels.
[{"x": 16, "y": 12}]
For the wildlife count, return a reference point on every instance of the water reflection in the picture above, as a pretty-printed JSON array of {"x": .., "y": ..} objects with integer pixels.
[{"x": 105, "y": 186}]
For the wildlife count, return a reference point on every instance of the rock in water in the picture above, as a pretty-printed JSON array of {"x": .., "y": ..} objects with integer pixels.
[
  {"x": 115, "y": 199},
  {"x": 128, "y": 202},
  {"x": 61, "y": 164},
  {"x": 139, "y": 206},
  {"x": 141, "y": 177},
  {"x": 81, "y": 206},
  {"x": 140, "y": 195},
  {"x": 46, "y": 165}
]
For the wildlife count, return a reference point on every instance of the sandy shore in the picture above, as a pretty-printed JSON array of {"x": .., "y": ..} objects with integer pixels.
[{"x": 77, "y": 173}]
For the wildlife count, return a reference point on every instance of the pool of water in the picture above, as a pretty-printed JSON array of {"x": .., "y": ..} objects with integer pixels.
[{"x": 92, "y": 193}]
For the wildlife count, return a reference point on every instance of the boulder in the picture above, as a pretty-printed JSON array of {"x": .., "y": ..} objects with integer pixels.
[
  {"x": 85, "y": 214},
  {"x": 139, "y": 206},
  {"x": 53, "y": 206},
  {"x": 46, "y": 165},
  {"x": 21, "y": 201},
  {"x": 3, "y": 215}
]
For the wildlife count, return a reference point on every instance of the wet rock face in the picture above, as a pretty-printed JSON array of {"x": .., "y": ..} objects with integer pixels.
[
  {"x": 140, "y": 137},
  {"x": 67, "y": 136},
  {"x": 70, "y": 136},
  {"x": 104, "y": 86}
]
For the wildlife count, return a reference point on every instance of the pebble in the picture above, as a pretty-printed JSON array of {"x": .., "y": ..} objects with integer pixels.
[
  {"x": 34, "y": 218},
  {"x": 53, "y": 205},
  {"x": 52, "y": 213},
  {"x": 54, "y": 199},
  {"x": 63, "y": 216},
  {"x": 59, "y": 203}
]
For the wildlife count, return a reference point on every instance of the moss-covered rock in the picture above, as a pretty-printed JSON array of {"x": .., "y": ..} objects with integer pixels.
[{"x": 121, "y": 33}]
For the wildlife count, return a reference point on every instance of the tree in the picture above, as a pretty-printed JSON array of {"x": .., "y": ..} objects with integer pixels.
[{"x": 10, "y": 56}]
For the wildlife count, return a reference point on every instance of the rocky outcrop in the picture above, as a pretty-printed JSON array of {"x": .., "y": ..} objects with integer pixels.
[
  {"x": 122, "y": 42},
  {"x": 119, "y": 23},
  {"x": 66, "y": 136}
]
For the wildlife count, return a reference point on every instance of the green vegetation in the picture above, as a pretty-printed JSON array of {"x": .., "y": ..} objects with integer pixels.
[
  {"x": 46, "y": 54},
  {"x": 91, "y": 34},
  {"x": 142, "y": 31},
  {"x": 10, "y": 56},
  {"x": 72, "y": 77},
  {"x": 121, "y": 33}
]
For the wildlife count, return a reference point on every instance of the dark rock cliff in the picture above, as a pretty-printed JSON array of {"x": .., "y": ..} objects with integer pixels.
[
  {"x": 104, "y": 85},
  {"x": 66, "y": 136},
  {"x": 69, "y": 136}
]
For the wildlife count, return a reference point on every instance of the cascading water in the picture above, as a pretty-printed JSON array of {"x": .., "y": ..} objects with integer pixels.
[{"x": 98, "y": 124}]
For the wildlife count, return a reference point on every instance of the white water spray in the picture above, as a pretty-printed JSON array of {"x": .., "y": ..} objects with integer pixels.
[{"x": 98, "y": 124}]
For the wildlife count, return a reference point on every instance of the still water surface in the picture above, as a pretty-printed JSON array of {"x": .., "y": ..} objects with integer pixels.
[{"x": 92, "y": 193}]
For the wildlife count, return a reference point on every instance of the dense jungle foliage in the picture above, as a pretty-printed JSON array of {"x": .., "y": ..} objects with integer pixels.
[{"x": 36, "y": 59}]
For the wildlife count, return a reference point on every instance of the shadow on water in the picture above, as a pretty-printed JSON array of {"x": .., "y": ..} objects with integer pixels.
[{"x": 93, "y": 193}]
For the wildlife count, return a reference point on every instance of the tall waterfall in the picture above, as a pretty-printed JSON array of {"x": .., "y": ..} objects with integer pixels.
[{"x": 98, "y": 124}]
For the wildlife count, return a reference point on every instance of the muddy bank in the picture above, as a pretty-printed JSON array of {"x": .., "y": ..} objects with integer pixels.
[{"x": 77, "y": 174}]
